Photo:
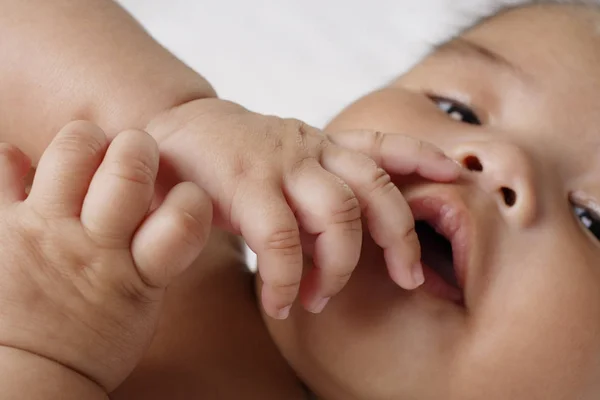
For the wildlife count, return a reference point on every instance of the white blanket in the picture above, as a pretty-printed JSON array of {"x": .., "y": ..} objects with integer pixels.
[{"x": 302, "y": 58}]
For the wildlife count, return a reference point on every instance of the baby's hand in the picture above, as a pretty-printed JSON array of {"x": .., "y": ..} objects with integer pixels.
[
  {"x": 83, "y": 266},
  {"x": 271, "y": 178}
]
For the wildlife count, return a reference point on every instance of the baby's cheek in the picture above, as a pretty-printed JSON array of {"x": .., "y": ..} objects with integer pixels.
[
  {"x": 390, "y": 110},
  {"x": 538, "y": 337}
]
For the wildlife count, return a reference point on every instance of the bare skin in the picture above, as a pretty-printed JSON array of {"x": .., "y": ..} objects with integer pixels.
[
  {"x": 84, "y": 267},
  {"x": 514, "y": 100},
  {"x": 266, "y": 178},
  {"x": 202, "y": 344},
  {"x": 529, "y": 326},
  {"x": 257, "y": 169}
]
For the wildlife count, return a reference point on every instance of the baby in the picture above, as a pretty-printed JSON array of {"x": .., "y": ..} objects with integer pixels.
[{"x": 510, "y": 304}]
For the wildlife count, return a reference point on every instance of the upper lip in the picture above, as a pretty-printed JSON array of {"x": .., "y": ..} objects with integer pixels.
[{"x": 447, "y": 213}]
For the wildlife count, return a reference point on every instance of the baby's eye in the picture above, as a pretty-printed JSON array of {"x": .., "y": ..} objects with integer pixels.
[
  {"x": 457, "y": 111},
  {"x": 589, "y": 220}
]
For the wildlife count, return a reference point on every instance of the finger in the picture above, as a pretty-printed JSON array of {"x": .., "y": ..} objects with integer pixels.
[
  {"x": 14, "y": 165},
  {"x": 269, "y": 227},
  {"x": 389, "y": 218},
  {"x": 326, "y": 207},
  {"x": 400, "y": 154},
  {"x": 173, "y": 236},
  {"x": 120, "y": 193},
  {"x": 66, "y": 169}
]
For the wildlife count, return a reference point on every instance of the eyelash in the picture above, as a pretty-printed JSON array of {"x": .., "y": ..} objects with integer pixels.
[
  {"x": 456, "y": 110},
  {"x": 588, "y": 219}
]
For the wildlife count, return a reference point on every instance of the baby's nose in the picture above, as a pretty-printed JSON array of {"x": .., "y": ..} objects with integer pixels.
[{"x": 506, "y": 172}]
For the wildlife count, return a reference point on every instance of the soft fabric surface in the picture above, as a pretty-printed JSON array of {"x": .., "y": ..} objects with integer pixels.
[{"x": 303, "y": 58}]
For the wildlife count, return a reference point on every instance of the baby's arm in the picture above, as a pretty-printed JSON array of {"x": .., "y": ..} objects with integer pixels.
[
  {"x": 82, "y": 59},
  {"x": 269, "y": 178}
]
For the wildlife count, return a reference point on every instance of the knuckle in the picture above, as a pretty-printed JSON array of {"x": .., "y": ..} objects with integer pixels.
[
  {"x": 336, "y": 282},
  {"x": 283, "y": 294},
  {"x": 411, "y": 242},
  {"x": 378, "y": 138},
  {"x": 81, "y": 136},
  {"x": 302, "y": 130},
  {"x": 284, "y": 289},
  {"x": 377, "y": 144},
  {"x": 191, "y": 229},
  {"x": 103, "y": 237},
  {"x": 348, "y": 212},
  {"x": 354, "y": 226},
  {"x": 419, "y": 146},
  {"x": 286, "y": 242},
  {"x": 410, "y": 235},
  {"x": 274, "y": 127},
  {"x": 138, "y": 142},
  {"x": 306, "y": 145},
  {"x": 297, "y": 126},
  {"x": 132, "y": 170},
  {"x": 299, "y": 131},
  {"x": 301, "y": 164},
  {"x": 381, "y": 182}
]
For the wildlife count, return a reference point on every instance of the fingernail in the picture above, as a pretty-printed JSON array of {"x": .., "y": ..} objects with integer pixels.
[
  {"x": 417, "y": 274},
  {"x": 319, "y": 305},
  {"x": 284, "y": 312}
]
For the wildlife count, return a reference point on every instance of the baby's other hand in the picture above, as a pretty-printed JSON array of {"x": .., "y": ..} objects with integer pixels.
[
  {"x": 83, "y": 264},
  {"x": 271, "y": 179}
]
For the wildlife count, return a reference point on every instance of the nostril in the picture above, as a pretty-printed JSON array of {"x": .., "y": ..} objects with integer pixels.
[
  {"x": 472, "y": 163},
  {"x": 510, "y": 197}
]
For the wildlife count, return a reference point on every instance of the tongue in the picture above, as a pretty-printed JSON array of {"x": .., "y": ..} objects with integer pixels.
[{"x": 436, "y": 252}]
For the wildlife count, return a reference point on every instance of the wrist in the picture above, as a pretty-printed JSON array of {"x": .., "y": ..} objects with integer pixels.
[
  {"x": 180, "y": 129},
  {"x": 119, "y": 85},
  {"x": 175, "y": 119},
  {"x": 30, "y": 376}
]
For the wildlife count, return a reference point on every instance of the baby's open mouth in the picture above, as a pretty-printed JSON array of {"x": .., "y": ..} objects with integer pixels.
[
  {"x": 438, "y": 264},
  {"x": 443, "y": 228},
  {"x": 436, "y": 252}
]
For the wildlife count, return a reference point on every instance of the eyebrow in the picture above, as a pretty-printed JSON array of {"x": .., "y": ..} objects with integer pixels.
[{"x": 468, "y": 48}]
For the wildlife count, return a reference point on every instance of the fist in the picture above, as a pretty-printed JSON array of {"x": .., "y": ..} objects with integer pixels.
[{"x": 83, "y": 261}]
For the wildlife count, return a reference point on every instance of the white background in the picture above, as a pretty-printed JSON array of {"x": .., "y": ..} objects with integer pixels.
[{"x": 302, "y": 58}]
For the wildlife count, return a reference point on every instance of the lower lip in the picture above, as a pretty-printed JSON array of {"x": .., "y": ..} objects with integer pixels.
[{"x": 436, "y": 286}]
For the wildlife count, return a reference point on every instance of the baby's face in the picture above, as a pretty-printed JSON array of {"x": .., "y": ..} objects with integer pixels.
[{"x": 518, "y": 101}]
